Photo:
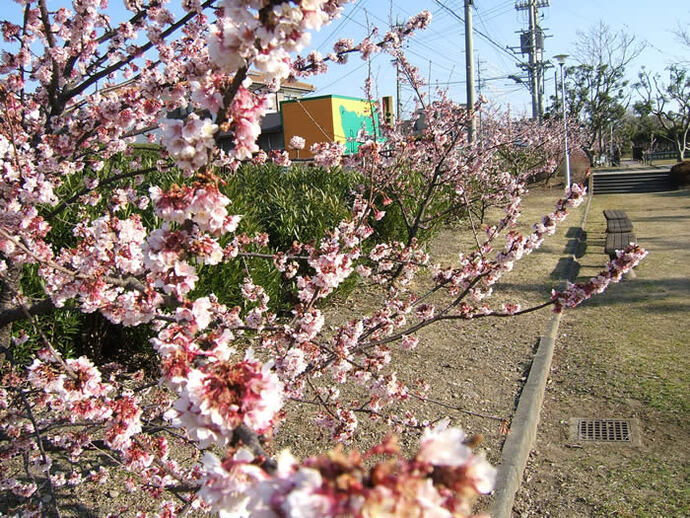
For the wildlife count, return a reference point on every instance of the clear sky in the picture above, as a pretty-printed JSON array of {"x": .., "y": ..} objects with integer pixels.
[{"x": 439, "y": 51}]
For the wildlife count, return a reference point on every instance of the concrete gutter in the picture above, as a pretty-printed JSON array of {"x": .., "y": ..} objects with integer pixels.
[{"x": 523, "y": 430}]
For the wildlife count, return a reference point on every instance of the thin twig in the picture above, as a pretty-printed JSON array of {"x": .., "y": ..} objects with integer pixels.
[
  {"x": 39, "y": 443},
  {"x": 458, "y": 408},
  {"x": 101, "y": 183}
]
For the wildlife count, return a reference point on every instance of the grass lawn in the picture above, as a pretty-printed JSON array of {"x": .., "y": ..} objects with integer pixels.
[{"x": 624, "y": 354}]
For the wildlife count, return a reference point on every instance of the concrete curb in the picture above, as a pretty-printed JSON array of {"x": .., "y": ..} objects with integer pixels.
[{"x": 524, "y": 425}]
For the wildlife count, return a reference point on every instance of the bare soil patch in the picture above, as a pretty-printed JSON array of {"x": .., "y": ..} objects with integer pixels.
[
  {"x": 479, "y": 365},
  {"x": 624, "y": 354}
]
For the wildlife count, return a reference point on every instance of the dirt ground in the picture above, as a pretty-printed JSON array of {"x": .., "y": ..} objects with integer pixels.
[
  {"x": 479, "y": 366},
  {"x": 622, "y": 355}
]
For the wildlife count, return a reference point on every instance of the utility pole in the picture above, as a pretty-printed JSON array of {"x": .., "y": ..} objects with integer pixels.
[
  {"x": 479, "y": 76},
  {"x": 542, "y": 90},
  {"x": 533, "y": 76},
  {"x": 555, "y": 84},
  {"x": 469, "y": 72},
  {"x": 533, "y": 46},
  {"x": 398, "y": 111},
  {"x": 398, "y": 72},
  {"x": 560, "y": 58},
  {"x": 479, "y": 89}
]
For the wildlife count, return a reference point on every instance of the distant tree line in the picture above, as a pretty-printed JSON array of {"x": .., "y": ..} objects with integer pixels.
[{"x": 617, "y": 116}]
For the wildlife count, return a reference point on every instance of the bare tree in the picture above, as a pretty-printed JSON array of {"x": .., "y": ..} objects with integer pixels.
[
  {"x": 600, "y": 45},
  {"x": 597, "y": 94},
  {"x": 669, "y": 103},
  {"x": 683, "y": 35}
]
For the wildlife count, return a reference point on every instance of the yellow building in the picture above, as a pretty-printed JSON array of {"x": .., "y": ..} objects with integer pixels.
[{"x": 329, "y": 118}]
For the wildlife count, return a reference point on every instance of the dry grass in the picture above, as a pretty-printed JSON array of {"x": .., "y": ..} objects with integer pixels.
[{"x": 624, "y": 354}]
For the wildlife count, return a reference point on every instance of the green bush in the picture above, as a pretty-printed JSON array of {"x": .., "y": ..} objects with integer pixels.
[
  {"x": 300, "y": 203},
  {"x": 297, "y": 203},
  {"x": 69, "y": 330},
  {"x": 289, "y": 204}
]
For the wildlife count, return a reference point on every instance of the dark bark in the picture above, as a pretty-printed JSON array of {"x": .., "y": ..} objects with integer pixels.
[
  {"x": 9, "y": 285},
  {"x": 251, "y": 440},
  {"x": 13, "y": 313}
]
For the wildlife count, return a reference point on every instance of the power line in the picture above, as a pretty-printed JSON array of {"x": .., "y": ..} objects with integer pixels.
[
  {"x": 500, "y": 56},
  {"x": 365, "y": 63},
  {"x": 500, "y": 6},
  {"x": 418, "y": 41},
  {"x": 506, "y": 93},
  {"x": 428, "y": 47},
  {"x": 499, "y": 9},
  {"x": 422, "y": 56},
  {"x": 420, "y": 46},
  {"x": 428, "y": 30},
  {"x": 346, "y": 18},
  {"x": 432, "y": 50},
  {"x": 480, "y": 33},
  {"x": 497, "y": 78}
]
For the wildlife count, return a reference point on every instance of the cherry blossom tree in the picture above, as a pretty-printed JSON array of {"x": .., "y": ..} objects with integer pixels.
[{"x": 78, "y": 88}]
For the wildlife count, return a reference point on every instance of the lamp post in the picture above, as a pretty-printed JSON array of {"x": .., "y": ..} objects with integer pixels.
[{"x": 561, "y": 61}]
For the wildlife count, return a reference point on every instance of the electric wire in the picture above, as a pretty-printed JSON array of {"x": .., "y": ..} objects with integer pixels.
[
  {"x": 499, "y": 10},
  {"x": 420, "y": 41},
  {"x": 420, "y": 47},
  {"x": 347, "y": 74},
  {"x": 346, "y": 18},
  {"x": 506, "y": 69},
  {"x": 480, "y": 33}
]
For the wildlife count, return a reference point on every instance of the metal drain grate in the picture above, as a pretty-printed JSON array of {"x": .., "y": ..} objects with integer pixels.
[{"x": 608, "y": 430}]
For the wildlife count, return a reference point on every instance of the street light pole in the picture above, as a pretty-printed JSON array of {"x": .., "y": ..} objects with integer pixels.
[
  {"x": 469, "y": 74},
  {"x": 561, "y": 61}
]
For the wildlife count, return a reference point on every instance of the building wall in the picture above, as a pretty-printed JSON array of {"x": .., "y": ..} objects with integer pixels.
[
  {"x": 310, "y": 119},
  {"x": 288, "y": 90},
  {"x": 327, "y": 119},
  {"x": 351, "y": 117},
  {"x": 285, "y": 94}
]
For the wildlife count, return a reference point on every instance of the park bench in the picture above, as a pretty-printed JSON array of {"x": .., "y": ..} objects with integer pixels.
[
  {"x": 617, "y": 221},
  {"x": 618, "y": 232}
]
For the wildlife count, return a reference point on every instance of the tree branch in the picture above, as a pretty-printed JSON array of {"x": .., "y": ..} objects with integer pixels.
[
  {"x": 139, "y": 51},
  {"x": 251, "y": 440},
  {"x": 15, "y": 314},
  {"x": 86, "y": 190}
]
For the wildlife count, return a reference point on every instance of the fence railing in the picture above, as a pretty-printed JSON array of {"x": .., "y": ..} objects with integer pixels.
[{"x": 662, "y": 155}]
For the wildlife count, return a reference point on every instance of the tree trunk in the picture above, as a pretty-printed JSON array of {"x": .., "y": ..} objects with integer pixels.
[
  {"x": 600, "y": 141},
  {"x": 680, "y": 150},
  {"x": 9, "y": 285}
]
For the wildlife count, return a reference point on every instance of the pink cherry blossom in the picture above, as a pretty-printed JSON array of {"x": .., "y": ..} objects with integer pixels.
[
  {"x": 296, "y": 142},
  {"x": 94, "y": 223},
  {"x": 189, "y": 142}
]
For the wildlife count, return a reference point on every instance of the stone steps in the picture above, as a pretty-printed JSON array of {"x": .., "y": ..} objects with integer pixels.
[{"x": 622, "y": 182}]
